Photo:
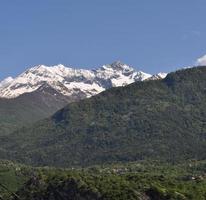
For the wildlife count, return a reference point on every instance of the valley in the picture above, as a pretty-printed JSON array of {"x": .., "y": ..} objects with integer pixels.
[
  {"x": 144, "y": 180},
  {"x": 102, "y": 100},
  {"x": 141, "y": 141}
]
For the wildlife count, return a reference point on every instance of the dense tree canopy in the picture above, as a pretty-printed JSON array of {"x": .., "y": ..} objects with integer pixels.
[{"x": 157, "y": 119}]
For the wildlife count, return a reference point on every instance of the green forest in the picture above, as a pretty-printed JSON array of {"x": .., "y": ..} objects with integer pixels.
[
  {"x": 157, "y": 119},
  {"x": 144, "y": 180},
  {"x": 144, "y": 141}
]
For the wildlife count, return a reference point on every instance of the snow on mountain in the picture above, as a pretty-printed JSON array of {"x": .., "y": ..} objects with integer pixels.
[
  {"x": 160, "y": 75},
  {"x": 120, "y": 74},
  {"x": 6, "y": 82},
  {"x": 69, "y": 81}
]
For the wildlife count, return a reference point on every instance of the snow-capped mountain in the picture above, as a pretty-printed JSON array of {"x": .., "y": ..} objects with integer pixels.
[
  {"x": 160, "y": 75},
  {"x": 6, "y": 82},
  {"x": 69, "y": 81}
]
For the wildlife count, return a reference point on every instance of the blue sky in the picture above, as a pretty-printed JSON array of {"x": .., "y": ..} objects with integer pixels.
[{"x": 150, "y": 35}]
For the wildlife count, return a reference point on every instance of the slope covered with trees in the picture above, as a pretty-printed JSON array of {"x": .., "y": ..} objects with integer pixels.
[
  {"x": 157, "y": 119},
  {"x": 29, "y": 108}
]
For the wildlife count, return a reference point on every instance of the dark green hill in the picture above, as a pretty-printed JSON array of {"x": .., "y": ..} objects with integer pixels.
[
  {"x": 161, "y": 119},
  {"x": 29, "y": 108}
]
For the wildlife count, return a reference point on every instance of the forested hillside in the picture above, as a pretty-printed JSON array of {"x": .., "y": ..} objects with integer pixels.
[
  {"x": 29, "y": 108},
  {"x": 157, "y": 119}
]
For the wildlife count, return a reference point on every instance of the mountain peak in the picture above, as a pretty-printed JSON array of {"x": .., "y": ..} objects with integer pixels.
[
  {"x": 118, "y": 65},
  {"x": 71, "y": 81}
]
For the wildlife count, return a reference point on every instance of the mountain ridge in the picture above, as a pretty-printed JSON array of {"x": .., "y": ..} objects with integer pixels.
[
  {"x": 69, "y": 81},
  {"x": 160, "y": 119},
  {"x": 40, "y": 91}
]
